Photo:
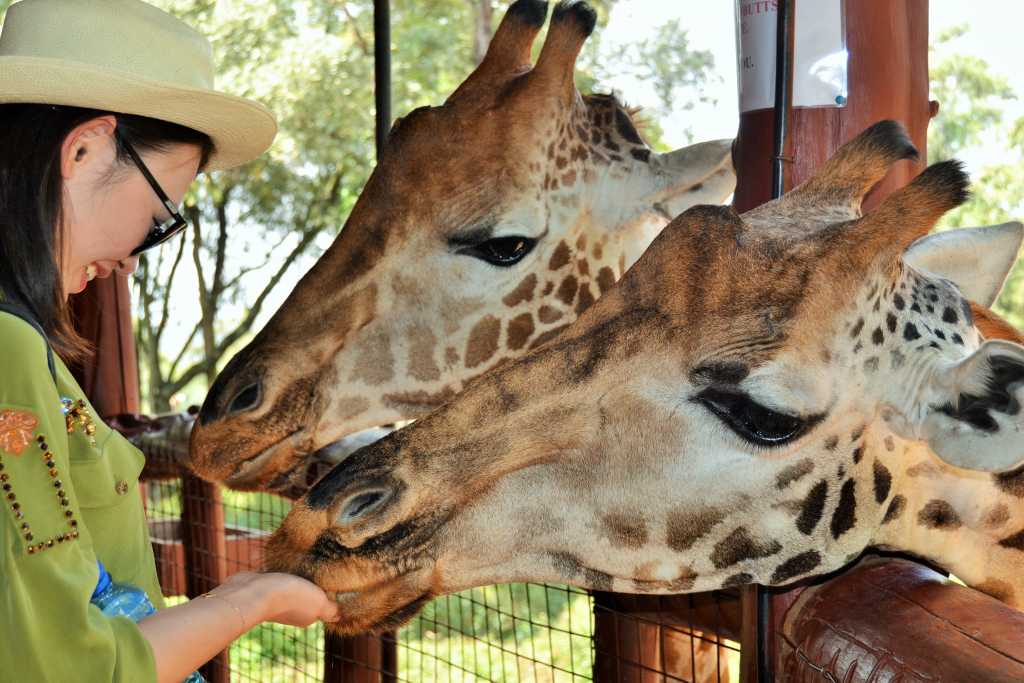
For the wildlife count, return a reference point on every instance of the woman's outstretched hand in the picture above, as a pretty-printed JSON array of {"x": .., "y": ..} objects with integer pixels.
[{"x": 277, "y": 597}]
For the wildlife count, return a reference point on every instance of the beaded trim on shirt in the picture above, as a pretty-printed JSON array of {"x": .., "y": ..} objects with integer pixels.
[
  {"x": 62, "y": 498},
  {"x": 76, "y": 413}
]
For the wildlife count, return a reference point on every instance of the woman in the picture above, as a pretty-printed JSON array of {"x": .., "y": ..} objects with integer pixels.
[{"x": 83, "y": 191}]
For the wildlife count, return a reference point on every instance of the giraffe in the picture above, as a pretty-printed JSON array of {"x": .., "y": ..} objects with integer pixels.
[
  {"x": 489, "y": 224},
  {"x": 758, "y": 400}
]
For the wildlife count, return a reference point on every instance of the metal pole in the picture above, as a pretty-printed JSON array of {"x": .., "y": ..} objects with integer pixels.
[
  {"x": 382, "y": 69},
  {"x": 781, "y": 96},
  {"x": 782, "y": 65}
]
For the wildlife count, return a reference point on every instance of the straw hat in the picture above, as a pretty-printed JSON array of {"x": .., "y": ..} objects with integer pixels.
[{"x": 127, "y": 57}]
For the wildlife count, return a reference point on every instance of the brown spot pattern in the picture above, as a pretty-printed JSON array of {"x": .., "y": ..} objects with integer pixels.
[
  {"x": 896, "y": 507},
  {"x": 626, "y": 529},
  {"x": 924, "y": 469},
  {"x": 585, "y": 301},
  {"x": 794, "y": 472},
  {"x": 845, "y": 514},
  {"x": 813, "y": 508},
  {"x": 684, "y": 527},
  {"x": 520, "y": 329},
  {"x": 418, "y": 400},
  {"x": 374, "y": 362},
  {"x": 741, "y": 579},
  {"x": 739, "y": 546},
  {"x": 883, "y": 482},
  {"x": 567, "y": 290},
  {"x": 522, "y": 292},
  {"x": 483, "y": 341},
  {"x": 1015, "y": 542},
  {"x": 938, "y": 514},
  {"x": 795, "y": 566},
  {"x": 1011, "y": 482},
  {"x": 549, "y": 315},
  {"x": 347, "y": 408},
  {"x": 422, "y": 365},
  {"x": 1000, "y": 590},
  {"x": 605, "y": 279},
  {"x": 997, "y": 516},
  {"x": 560, "y": 257}
]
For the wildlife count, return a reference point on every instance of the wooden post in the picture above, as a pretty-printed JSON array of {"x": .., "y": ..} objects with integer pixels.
[
  {"x": 370, "y": 658},
  {"x": 625, "y": 648},
  {"x": 103, "y": 316},
  {"x": 354, "y": 660},
  {"x": 205, "y": 547},
  {"x": 887, "y": 79}
]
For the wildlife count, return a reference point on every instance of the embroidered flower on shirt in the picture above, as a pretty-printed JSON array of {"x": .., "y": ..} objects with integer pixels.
[{"x": 16, "y": 427}]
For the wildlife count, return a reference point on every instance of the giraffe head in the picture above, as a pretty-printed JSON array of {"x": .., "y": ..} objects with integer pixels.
[
  {"x": 736, "y": 409},
  {"x": 489, "y": 224}
]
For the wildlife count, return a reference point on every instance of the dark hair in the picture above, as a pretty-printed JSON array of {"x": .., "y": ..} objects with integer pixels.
[{"x": 31, "y": 190}]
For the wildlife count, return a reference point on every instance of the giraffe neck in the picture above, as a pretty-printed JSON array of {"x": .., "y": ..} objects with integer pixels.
[{"x": 970, "y": 523}]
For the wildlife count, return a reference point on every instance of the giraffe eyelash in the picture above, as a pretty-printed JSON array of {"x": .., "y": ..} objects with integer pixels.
[
  {"x": 752, "y": 421},
  {"x": 501, "y": 251}
]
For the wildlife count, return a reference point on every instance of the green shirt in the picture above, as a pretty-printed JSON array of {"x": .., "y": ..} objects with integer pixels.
[{"x": 49, "y": 631}]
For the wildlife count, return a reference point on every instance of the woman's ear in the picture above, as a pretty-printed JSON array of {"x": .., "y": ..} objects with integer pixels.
[{"x": 86, "y": 144}]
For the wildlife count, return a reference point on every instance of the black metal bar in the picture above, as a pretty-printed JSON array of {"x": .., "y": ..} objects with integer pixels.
[
  {"x": 782, "y": 66},
  {"x": 781, "y": 95},
  {"x": 382, "y": 69}
]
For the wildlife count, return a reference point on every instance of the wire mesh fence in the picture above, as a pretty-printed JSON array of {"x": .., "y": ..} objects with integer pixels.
[{"x": 511, "y": 632}]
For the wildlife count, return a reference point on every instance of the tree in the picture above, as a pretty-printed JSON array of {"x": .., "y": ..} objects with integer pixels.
[
  {"x": 971, "y": 113},
  {"x": 256, "y": 228},
  {"x": 312, "y": 62}
]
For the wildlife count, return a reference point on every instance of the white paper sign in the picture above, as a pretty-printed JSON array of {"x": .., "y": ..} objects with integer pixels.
[
  {"x": 819, "y": 53},
  {"x": 756, "y": 22}
]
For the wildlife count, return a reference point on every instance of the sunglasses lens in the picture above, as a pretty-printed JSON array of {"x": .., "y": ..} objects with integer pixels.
[{"x": 160, "y": 234}]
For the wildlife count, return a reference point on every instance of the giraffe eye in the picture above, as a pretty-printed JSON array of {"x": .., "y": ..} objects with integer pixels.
[
  {"x": 501, "y": 251},
  {"x": 751, "y": 420}
]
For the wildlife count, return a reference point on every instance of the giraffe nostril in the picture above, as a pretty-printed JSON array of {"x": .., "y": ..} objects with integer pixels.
[
  {"x": 246, "y": 399},
  {"x": 362, "y": 504}
]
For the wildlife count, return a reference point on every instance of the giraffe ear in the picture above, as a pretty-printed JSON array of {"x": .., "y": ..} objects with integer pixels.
[
  {"x": 699, "y": 174},
  {"x": 974, "y": 417},
  {"x": 976, "y": 259}
]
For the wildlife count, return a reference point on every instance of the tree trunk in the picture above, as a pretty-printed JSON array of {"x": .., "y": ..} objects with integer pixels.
[{"x": 483, "y": 15}]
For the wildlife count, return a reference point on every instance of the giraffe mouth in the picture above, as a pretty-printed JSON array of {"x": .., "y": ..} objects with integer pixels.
[
  {"x": 254, "y": 467},
  {"x": 304, "y": 465}
]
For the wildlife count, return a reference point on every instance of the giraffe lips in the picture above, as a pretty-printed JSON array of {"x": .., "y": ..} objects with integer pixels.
[
  {"x": 254, "y": 468},
  {"x": 340, "y": 597}
]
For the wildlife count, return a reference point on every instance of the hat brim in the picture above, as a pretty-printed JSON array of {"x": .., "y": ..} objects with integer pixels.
[{"x": 241, "y": 129}]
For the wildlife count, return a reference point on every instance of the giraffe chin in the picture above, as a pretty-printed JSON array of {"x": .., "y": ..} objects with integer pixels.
[{"x": 361, "y": 613}]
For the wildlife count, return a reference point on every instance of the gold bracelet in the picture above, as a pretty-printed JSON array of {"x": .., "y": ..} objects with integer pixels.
[{"x": 230, "y": 604}]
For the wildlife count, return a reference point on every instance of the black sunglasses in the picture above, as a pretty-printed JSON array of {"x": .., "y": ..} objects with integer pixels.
[{"x": 160, "y": 232}]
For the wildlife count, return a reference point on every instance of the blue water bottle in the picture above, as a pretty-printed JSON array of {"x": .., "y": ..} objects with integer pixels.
[{"x": 120, "y": 600}]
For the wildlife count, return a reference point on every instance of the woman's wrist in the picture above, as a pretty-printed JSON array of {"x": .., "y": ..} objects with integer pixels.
[{"x": 252, "y": 596}]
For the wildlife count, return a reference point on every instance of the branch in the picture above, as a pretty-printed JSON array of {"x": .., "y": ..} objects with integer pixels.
[
  {"x": 257, "y": 306},
  {"x": 308, "y": 236},
  {"x": 194, "y": 371},
  {"x": 184, "y": 349},
  {"x": 165, "y": 310},
  {"x": 355, "y": 28},
  {"x": 217, "y": 287}
]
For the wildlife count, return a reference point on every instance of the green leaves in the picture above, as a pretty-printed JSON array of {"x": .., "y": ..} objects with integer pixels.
[{"x": 972, "y": 100}]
